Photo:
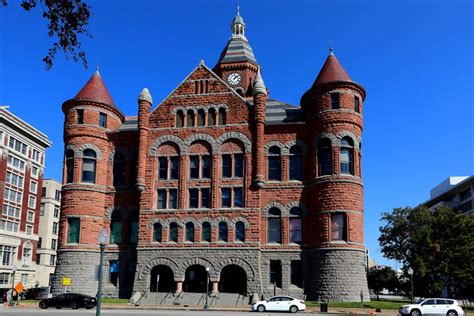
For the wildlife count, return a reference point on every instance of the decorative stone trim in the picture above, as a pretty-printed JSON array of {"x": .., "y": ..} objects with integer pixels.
[
  {"x": 238, "y": 262},
  {"x": 243, "y": 220},
  {"x": 176, "y": 220},
  {"x": 93, "y": 147},
  {"x": 152, "y": 152},
  {"x": 331, "y": 137},
  {"x": 274, "y": 143},
  {"x": 126, "y": 154},
  {"x": 77, "y": 152},
  {"x": 196, "y": 261},
  {"x": 349, "y": 134},
  {"x": 154, "y": 221},
  {"x": 224, "y": 219},
  {"x": 194, "y": 108},
  {"x": 298, "y": 143},
  {"x": 196, "y": 223},
  {"x": 299, "y": 204},
  {"x": 145, "y": 271},
  {"x": 235, "y": 135},
  {"x": 281, "y": 207},
  {"x": 204, "y": 137},
  {"x": 111, "y": 209}
]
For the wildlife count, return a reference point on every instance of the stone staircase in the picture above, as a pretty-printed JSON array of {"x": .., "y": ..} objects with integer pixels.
[{"x": 193, "y": 299}]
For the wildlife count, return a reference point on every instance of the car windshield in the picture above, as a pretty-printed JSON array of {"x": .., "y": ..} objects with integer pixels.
[{"x": 419, "y": 301}]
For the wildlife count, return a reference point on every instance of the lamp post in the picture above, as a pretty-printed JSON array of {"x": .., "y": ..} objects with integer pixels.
[
  {"x": 410, "y": 272},
  {"x": 102, "y": 240},
  {"x": 206, "y": 305},
  {"x": 14, "y": 268}
]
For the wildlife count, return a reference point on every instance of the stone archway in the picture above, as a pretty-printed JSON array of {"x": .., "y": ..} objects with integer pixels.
[
  {"x": 233, "y": 280},
  {"x": 195, "y": 279},
  {"x": 161, "y": 279}
]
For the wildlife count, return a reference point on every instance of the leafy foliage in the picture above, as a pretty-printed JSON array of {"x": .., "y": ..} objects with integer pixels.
[
  {"x": 382, "y": 278},
  {"x": 68, "y": 20},
  {"x": 438, "y": 245}
]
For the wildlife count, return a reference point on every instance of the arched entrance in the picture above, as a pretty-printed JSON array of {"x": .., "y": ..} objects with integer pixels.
[
  {"x": 165, "y": 282},
  {"x": 195, "y": 279},
  {"x": 233, "y": 280}
]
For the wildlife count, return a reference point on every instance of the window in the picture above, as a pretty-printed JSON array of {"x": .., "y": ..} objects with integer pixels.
[
  {"x": 173, "y": 199},
  {"x": 201, "y": 117},
  {"x": 69, "y": 167},
  {"x": 296, "y": 273},
  {"x": 238, "y": 197},
  {"x": 119, "y": 170},
  {"x": 240, "y": 231},
  {"x": 88, "y": 166},
  {"x": 35, "y": 155},
  {"x": 232, "y": 160},
  {"x": 6, "y": 255},
  {"x": 157, "y": 232},
  {"x": 57, "y": 195},
  {"x": 16, "y": 163},
  {"x": 103, "y": 120},
  {"x": 29, "y": 229},
  {"x": 11, "y": 211},
  {"x": 41, "y": 209},
  {"x": 338, "y": 226},
  {"x": 223, "y": 231},
  {"x": 14, "y": 179},
  {"x": 296, "y": 235},
  {"x": 34, "y": 172},
  {"x": 9, "y": 226},
  {"x": 80, "y": 116},
  {"x": 55, "y": 228},
  {"x": 190, "y": 232},
  {"x": 211, "y": 117},
  {"x": 232, "y": 197},
  {"x": 161, "y": 203},
  {"x": 173, "y": 232},
  {"x": 356, "y": 104},
  {"x": 162, "y": 168},
  {"x": 274, "y": 164},
  {"x": 17, "y": 145},
  {"x": 43, "y": 192},
  {"x": 206, "y": 232},
  {"x": 170, "y": 195},
  {"x": 334, "y": 101},
  {"x": 226, "y": 199},
  {"x": 33, "y": 186},
  {"x": 54, "y": 244},
  {"x": 324, "y": 157},
  {"x": 32, "y": 201},
  {"x": 133, "y": 229},
  {"x": 206, "y": 167},
  {"x": 40, "y": 241},
  {"x": 114, "y": 272},
  {"x": 226, "y": 166},
  {"x": 275, "y": 272},
  {"x": 56, "y": 211},
  {"x": 52, "y": 260},
  {"x": 26, "y": 259},
  {"x": 116, "y": 228},
  {"x": 38, "y": 258},
  {"x": 168, "y": 168},
  {"x": 73, "y": 230},
  {"x": 194, "y": 167},
  {"x": 4, "y": 278},
  {"x": 194, "y": 198},
  {"x": 464, "y": 195},
  {"x": 30, "y": 217},
  {"x": 296, "y": 162},
  {"x": 346, "y": 156},
  {"x": 179, "y": 119},
  {"x": 12, "y": 195},
  {"x": 190, "y": 118},
  {"x": 274, "y": 225},
  {"x": 222, "y": 116}
]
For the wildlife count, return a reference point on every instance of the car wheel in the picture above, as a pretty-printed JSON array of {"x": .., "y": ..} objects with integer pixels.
[
  {"x": 415, "y": 312},
  {"x": 261, "y": 308},
  {"x": 89, "y": 307},
  {"x": 294, "y": 309},
  {"x": 74, "y": 305},
  {"x": 43, "y": 305},
  {"x": 452, "y": 313}
]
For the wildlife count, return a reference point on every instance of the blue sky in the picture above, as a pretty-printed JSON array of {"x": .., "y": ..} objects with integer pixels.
[{"x": 415, "y": 59}]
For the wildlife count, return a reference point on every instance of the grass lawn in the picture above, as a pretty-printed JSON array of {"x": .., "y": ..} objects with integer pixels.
[{"x": 115, "y": 300}]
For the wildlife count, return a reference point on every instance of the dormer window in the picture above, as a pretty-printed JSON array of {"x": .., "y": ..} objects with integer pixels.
[
  {"x": 103, "y": 120},
  {"x": 335, "y": 101},
  {"x": 356, "y": 104},
  {"x": 80, "y": 116}
]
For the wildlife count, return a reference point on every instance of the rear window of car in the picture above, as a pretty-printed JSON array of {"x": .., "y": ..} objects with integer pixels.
[
  {"x": 441, "y": 302},
  {"x": 450, "y": 302}
]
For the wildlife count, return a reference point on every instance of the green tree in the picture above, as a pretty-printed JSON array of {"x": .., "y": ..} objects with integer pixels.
[
  {"x": 438, "y": 245},
  {"x": 380, "y": 278},
  {"x": 68, "y": 20}
]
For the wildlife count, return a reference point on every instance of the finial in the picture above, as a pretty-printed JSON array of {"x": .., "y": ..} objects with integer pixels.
[
  {"x": 238, "y": 7},
  {"x": 201, "y": 62},
  {"x": 331, "y": 48},
  {"x": 97, "y": 71},
  {"x": 258, "y": 84},
  {"x": 145, "y": 96}
]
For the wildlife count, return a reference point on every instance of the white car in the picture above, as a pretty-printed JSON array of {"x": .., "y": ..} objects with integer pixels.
[
  {"x": 280, "y": 303},
  {"x": 433, "y": 306}
]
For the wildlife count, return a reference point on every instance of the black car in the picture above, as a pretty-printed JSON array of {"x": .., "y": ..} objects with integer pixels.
[{"x": 72, "y": 300}]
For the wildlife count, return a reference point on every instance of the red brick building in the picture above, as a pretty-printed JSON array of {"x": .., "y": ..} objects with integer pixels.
[{"x": 266, "y": 195}]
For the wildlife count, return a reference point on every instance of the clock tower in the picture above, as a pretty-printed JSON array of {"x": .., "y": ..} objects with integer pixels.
[{"x": 237, "y": 65}]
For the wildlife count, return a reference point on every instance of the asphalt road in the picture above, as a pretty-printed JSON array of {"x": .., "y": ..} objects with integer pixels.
[{"x": 4, "y": 311}]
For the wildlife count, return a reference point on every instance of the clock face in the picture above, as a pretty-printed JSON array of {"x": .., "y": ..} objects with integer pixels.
[{"x": 234, "y": 78}]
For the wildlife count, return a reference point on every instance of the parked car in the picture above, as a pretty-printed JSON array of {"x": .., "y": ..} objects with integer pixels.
[
  {"x": 280, "y": 303},
  {"x": 72, "y": 300},
  {"x": 432, "y": 306}
]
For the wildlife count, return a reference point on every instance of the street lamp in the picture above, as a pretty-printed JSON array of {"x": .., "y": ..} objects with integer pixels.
[
  {"x": 410, "y": 272},
  {"x": 14, "y": 268},
  {"x": 206, "y": 306},
  {"x": 102, "y": 240}
]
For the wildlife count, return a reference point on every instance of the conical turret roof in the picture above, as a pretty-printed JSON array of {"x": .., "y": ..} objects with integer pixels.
[
  {"x": 95, "y": 90},
  {"x": 332, "y": 70}
]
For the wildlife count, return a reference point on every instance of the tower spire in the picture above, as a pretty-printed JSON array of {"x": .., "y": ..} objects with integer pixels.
[{"x": 238, "y": 25}]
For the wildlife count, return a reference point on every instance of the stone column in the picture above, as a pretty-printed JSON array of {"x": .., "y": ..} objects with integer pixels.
[
  {"x": 215, "y": 286},
  {"x": 179, "y": 285},
  {"x": 144, "y": 104},
  {"x": 183, "y": 175},
  {"x": 215, "y": 180}
]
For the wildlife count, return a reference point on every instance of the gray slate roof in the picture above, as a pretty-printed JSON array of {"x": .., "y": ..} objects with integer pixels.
[{"x": 237, "y": 50}]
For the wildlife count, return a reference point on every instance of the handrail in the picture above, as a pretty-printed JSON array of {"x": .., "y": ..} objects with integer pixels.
[
  {"x": 177, "y": 296},
  {"x": 164, "y": 298},
  {"x": 215, "y": 297},
  {"x": 203, "y": 296},
  {"x": 137, "y": 303}
]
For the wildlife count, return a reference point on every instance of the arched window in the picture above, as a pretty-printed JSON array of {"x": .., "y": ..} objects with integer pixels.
[
  {"x": 274, "y": 164},
  {"x": 116, "y": 228},
  {"x": 222, "y": 116},
  {"x": 179, "y": 118},
  {"x": 157, "y": 232},
  {"x": 69, "y": 166},
  {"x": 223, "y": 231},
  {"x": 119, "y": 169},
  {"x": 133, "y": 220},
  {"x": 190, "y": 118},
  {"x": 206, "y": 232},
  {"x": 173, "y": 232},
  {"x": 201, "y": 117},
  {"x": 324, "y": 157},
  {"x": 88, "y": 166},
  {"x": 346, "y": 156},
  {"x": 211, "y": 121},
  {"x": 190, "y": 232},
  {"x": 26, "y": 258},
  {"x": 296, "y": 231},
  {"x": 240, "y": 231},
  {"x": 274, "y": 225},
  {"x": 296, "y": 162}
]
